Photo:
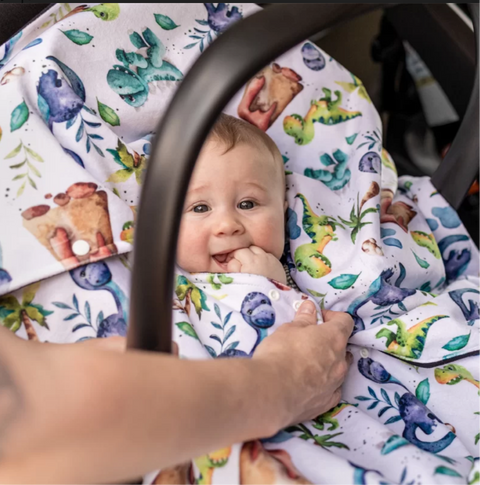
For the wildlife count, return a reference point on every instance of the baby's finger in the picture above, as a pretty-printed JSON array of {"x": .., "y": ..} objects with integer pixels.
[
  {"x": 244, "y": 255},
  {"x": 256, "y": 250},
  {"x": 234, "y": 266}
]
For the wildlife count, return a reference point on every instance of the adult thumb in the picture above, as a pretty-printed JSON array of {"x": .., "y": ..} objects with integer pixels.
[{"x": 306, "y": 314}]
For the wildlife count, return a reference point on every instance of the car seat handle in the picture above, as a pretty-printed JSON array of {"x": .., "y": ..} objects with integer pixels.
[
  {"x": 458, "y": 170},
  {"x": 225, "y": 66}
]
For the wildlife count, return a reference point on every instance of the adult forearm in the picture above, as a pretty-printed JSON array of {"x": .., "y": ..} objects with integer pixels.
[{"x": 77, "y": 416}]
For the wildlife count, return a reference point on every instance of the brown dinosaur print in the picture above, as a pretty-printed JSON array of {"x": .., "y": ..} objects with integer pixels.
[
  {"x": 399, "y": 213},
  {"x": 259, "y": 465},
  {"x": 81, "y": 215},
  {"x": 268, "y": 94}
]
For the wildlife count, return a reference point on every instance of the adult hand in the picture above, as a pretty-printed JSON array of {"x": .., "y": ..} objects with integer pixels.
[
  {"x": 116, "y": 343},
  {"x": 311, "y": 362}
]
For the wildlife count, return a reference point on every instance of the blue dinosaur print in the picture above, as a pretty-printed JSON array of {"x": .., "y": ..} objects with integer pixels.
[
  {"x": 340, "y": 176},
  {"x": 8, "y": 48},
  {"x": 59, "y": 101},
  {"x": 448, "y": 217},
  {"x": 471, "y": 313},
  {"x": 370, "y": 163},
  {"x": 312, "y": 57},
  {"x": 381, "y": 292},
  {"x": 456, "y": 263},
  {"x": 97, "y": 277},
  {"x": 221, "y": 17},
  {"x": 132, "y": 86},
  {"x": 412, "y": 411},
  {"x": 258, "y": 312},
  {"x": 293, "y": 229},
  {"x": 374, "y": 371},
  {"x": 416, "y": 415}
]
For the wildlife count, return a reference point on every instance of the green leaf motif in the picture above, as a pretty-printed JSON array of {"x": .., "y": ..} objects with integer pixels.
[
  {"x": 226, "y": 280},
  {"x": 393, "y": 443},
  {"x": 77, "y": 36},
  {"x": 21, "y": 189},
  {"x": 443, "y": 470},
  {"x": 423, "y": 391},
  {"x": 421, "y": 262},
  {"x": 351, "y": 139},
  {"x": 34, "y": 155},
  {"x": 19, "y": 116},
  {"x": 120, "y": 176},
  {"x": 188, "y": 329},
  {"x": 18, "y": 165},
  {"x": 165, "y": 22},
  {"x": 108, "y": 114},
  {"x": 457, "y": 343},
  {"x": 344, "y": 281}
]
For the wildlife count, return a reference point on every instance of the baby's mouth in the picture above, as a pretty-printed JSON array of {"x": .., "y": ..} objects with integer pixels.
[{"x": 223, "y": 258}]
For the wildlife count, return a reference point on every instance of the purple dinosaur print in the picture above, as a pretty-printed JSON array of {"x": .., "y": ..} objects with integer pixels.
[
  {"x": 58, "y": 100},
  {"x": 381, "y": 292},
  {"x": 258, "y": 312},
  {"x": 471, "y": 313},
  {"x": 96, "y": 277},
  {"x": 456, "y": 263},
  {"x": 412, "y": 411},
  {"x": 221, "y": 17}
]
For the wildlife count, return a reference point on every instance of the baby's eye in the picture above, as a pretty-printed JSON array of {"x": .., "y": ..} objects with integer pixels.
[
  {"x": 200, "y": 208},
  {"x": 246, "y": 205}
]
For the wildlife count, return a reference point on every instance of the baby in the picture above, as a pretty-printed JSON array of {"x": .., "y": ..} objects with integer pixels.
[{"x": 234, "y": 212}]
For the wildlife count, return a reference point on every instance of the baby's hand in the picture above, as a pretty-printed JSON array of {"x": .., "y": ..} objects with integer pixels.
[{"x": 255, "y": 260}]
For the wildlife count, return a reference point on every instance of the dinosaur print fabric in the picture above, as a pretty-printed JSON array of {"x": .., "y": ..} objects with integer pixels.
[{"x": 82, "y": 89}]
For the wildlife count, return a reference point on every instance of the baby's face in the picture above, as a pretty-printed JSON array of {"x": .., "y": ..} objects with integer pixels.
[{"x": 235, "y": 200}]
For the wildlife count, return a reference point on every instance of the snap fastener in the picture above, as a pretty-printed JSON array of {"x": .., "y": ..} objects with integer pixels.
[
  {"x": 80, "y": 247},
  {"x": 296, "y": 304},
  {"x": 364, "y": 353},
  {"x": 274, "y": 295}
]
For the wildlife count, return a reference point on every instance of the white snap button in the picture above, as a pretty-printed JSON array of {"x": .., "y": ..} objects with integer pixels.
[
  {"x": 364, "y": 353},
  {"x": 296, "y": 304},
  {"x": 274, "y": 295},
  {"x": 81, "y": 248}
]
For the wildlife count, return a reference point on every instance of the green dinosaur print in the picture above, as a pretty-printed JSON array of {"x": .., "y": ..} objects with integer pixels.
[
  {"x": 309, "y": 257},
  {"x": 329, "y": 417},
  {"x": 207, "y": 464},
  {"x": 355, "y": 85},
  {"x": 452, "y": 374},
  {"x": 325, "y": 111},
  {"x": 408, "y": 342},
  {"x": 131, "y": 164},
  {"x": 387, "y": 161},
  {"x": 427, "y": 241},
  {"x": 132, "y": 86},
  {"x": 475, "y": 479},
  {"x": 186, "y": 290}
]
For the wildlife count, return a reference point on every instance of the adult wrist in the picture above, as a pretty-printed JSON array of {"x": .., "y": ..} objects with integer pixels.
[{"x": 272, "y": 393}]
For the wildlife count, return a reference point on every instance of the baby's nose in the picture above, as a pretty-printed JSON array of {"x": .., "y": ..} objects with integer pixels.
[{"x": 229, "y": 225}]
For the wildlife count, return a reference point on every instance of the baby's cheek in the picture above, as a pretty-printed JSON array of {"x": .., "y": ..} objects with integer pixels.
[
  {"x": 271, "y": 237},
  {"x": 191, "y": 247}
]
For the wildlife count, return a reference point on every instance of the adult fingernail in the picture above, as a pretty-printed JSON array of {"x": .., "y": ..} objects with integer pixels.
[{"x": 307, "y": 307}]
